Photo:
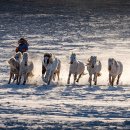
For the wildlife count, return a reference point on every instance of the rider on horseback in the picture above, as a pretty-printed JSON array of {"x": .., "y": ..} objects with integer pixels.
[{"x": 23, "y": 45}]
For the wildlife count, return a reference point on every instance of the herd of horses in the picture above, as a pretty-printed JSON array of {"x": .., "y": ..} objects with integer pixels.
[{"x": 22, "y": 67}]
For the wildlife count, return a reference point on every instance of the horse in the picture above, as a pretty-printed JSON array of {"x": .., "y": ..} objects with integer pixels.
[
  {"x": 26, "y": 68},
  {"x": 14, "y": 69},
  {"x": 51, "y": 67},
  {"x": 115, "y": 69},
  {"x": 18, "y": 57},
  {"x": 94, "y": 67},
  {"x": 76, "y": 68},
  {"x": 45, "y": 62}
]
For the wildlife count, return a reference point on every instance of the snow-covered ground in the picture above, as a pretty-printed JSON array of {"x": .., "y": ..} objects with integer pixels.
[{"x": 102, "y": 30}]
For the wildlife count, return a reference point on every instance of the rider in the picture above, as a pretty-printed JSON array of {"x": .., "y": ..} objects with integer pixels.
[{"x": 22, "y": 45}]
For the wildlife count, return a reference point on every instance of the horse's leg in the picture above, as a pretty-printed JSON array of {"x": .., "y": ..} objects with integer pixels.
[
  {"x": 54, "y": 76},
  {"x": 68, "y": 82},
  {"x": 25, "y": 79},
  {"x": 113, "y": 79},
  {"x": 75, "y": 77},
  {"x": 14, "y": 77},
  {"x": 95, "y": 79},
  {"x": 90, "y": 79},
  {"x": 10, "y": 77},
  {"x": 79, "y": 77},
  {"x": 110, "y": 82},
  {"x": 28, "y": 74},
  {"x": 17, "y": 78},
  {"x": 118, "y": 79},
  {"x": 58, "y": 75}
]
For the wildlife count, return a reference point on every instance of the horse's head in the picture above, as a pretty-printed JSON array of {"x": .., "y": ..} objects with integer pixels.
[
  {"x": 12, "y": 62},
  {"x": 72, "y": 58},
  {"x": 47, "y": 58},
  {"x": 92, "y": 61},
  {"x": 111, "y": 63},
  {"x": 25, "y": 58}
]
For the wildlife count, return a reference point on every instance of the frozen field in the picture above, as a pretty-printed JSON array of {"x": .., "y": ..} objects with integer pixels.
[{"x": 86, "y": 28}]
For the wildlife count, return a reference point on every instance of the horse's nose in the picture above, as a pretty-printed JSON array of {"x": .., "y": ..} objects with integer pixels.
[
  {"x": 92, "y": 66},
  {"x": 109, "y": 68},
  {"x": 71, "y": 62}
]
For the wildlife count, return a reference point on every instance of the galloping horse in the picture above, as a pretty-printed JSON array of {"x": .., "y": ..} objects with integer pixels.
[
  {"x": 76, "y": 68},
  {"x": 93, "y": 68},
  {"x": 14, "y": 69},
  {"x": 26, "y": 68},
  {"x": 50, "y": 68},
  {"x": 115, "y": 69}
]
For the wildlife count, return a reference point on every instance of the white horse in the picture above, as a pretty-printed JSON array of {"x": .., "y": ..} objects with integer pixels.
[
  {"x": 94, "y": 68},
  {"x": 115, "y": 69},
  {"x": 50, "y": 67},
  {"x": 14, "y": 69},
  {"x": 76, "y": 68},
  {"x": 18, "y": 58},
  {"x": 26, "y": 68}
]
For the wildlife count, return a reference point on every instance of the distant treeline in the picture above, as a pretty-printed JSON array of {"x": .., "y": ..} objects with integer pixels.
[
  {"x": 35, "y": 6},
  {"x": 73, "y": 2}
]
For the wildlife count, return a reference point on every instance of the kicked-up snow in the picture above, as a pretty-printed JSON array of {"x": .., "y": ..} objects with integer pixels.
[{"x": 85, "y": 28}]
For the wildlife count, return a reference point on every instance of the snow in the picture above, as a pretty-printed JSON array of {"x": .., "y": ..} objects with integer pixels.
[{"x": 62, "y": 30}]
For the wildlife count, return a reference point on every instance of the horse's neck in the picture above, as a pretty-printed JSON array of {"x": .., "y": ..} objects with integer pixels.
[
  {"x": 12, "y": 66},
  {"x": 15, "y": 66}
]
